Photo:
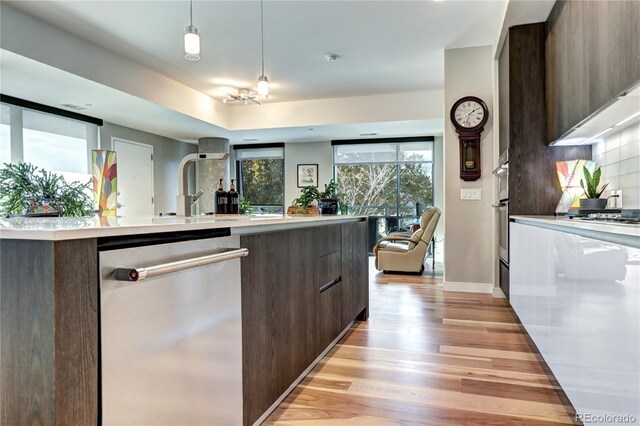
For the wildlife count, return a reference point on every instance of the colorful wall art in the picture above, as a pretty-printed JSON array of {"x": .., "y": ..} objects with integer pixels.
[
  {"x": 569, "y": 175},
  {"x": 105, "y": 181}
]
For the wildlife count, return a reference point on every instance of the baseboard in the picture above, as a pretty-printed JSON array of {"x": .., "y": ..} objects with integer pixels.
[
  {"x": 498, "y": 294},
  {"x": 303, "y": 375},
  {"x": 468, "y": 287}
]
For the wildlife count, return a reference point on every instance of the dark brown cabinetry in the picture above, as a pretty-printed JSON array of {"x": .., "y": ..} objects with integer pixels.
[
  {"x": 533, "y": 186},
  {"x": 355, "y": 272},
  {"x": 294, "y": 303},
  {"x": 592, "y": 56}
]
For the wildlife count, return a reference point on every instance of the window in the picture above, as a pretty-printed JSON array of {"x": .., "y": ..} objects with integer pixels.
[
  {"x": 392, "y": 179},
  {"x": 260, "y": 173},
  {"x": 5, "y": 134},
  {"x": 57, "y": 144}
]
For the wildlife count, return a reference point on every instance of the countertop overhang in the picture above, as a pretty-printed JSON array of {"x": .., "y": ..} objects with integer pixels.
[
  {"x": 626, "y": 234},
  {"x": 59, "y": 229}
]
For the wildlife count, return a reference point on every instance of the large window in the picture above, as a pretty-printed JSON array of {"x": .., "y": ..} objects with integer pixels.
[
  {"x": 260, "y": 173},
  {"x": 389, "y": 179},
  {"x": 51, "y": 142}
]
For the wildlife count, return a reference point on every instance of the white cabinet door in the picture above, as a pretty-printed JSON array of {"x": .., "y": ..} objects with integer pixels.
[{"x": 579, "y": 299}]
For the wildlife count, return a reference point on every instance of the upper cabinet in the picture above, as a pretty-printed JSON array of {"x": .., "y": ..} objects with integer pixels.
[{"x": 592, "y": 56}]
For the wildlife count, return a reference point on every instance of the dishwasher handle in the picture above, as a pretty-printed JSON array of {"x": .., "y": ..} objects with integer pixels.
[{"x": 139, "y": 274}]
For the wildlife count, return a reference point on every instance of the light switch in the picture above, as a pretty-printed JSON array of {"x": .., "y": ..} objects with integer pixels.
[{"x": 470, "y": 194}]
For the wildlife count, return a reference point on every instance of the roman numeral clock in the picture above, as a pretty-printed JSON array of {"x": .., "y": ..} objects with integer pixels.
[{"x": 469, "y": 115}]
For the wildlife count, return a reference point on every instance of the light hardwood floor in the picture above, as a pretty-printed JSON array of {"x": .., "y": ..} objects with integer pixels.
[{"x": 428, "y": 357}]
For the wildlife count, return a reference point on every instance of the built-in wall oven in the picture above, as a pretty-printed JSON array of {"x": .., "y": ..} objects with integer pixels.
[{"x": 502, "y": 181}]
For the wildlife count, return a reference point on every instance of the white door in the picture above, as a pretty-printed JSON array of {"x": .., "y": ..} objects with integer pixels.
[{"x": 135, "y": 178}]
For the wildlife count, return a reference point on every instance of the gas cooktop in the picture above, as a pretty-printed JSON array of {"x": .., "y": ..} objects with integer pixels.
[{"x": 620, "y": 216}]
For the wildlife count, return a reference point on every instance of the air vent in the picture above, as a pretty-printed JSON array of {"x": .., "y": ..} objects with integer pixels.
[
  {"x": 249, "y": 140},
  {"x": 368, "y": 134},
  {"x": 73, "y": 107}
]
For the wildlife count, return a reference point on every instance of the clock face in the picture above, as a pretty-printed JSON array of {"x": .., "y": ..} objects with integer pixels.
[{"x": 469, "y": 114}]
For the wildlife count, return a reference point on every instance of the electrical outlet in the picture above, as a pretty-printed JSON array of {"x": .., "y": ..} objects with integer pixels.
[{"x": 470, "y": 194}]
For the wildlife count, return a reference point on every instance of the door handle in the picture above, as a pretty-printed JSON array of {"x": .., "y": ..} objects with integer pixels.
[{"x": 142, "y": 273}]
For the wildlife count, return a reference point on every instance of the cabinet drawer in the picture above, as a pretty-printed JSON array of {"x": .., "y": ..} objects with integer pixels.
[
  {"x": 330, "y": 314},
  {"x": 329, "y": 239},
  {"x": 330, "y": 268}
]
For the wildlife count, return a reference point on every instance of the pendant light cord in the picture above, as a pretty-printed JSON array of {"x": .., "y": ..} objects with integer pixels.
[
  {"x": 262, "y": 32},
  {"x": 191, "y": 12}
]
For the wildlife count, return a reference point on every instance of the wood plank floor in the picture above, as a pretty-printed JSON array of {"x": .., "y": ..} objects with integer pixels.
[{"x": 428, "y": 357}]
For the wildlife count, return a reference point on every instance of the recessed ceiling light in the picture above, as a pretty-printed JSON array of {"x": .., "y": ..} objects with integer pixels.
[
  {"x": 311, "y": 128},
  {"x": 330, "y": 57}
]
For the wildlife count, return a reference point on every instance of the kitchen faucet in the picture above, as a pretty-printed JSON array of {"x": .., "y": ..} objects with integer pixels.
[{"x": 184, "y": 200}]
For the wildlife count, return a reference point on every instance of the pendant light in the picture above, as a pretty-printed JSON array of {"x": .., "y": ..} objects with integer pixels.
[
  {"x": 263, "y": 81},
  {"x": 191, "y": 38}
]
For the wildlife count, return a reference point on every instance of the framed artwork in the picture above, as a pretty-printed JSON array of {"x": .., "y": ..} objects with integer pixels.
[{"x": 307, "y": 175}]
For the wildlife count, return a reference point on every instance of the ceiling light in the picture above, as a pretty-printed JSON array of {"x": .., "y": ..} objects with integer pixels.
[
  {"x": 191, "y": 38},
  {"x": 243, "y": 95},
  {"x": 263, "y": 81},
  {"x": 627, "y": 119},
  {"x": 596, "y": 136},
  {"x": 331, "y": 57}
]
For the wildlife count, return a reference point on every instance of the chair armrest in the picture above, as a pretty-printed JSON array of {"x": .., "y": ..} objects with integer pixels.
[{"x": 398, "y": 238}]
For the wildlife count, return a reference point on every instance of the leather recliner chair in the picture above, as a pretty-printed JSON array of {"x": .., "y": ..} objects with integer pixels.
[{"x": 403, "y": 252}]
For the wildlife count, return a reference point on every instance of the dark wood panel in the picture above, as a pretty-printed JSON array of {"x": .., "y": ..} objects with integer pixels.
[
  {"x": 27, "y": 333},
  {"x": 503, "y": 96},
  {"x": 329, "y": 241},
  {"x": 330, "y": 314},
  {"x": 76, "y": 332},
  {"x": 355, "y": 271},
  {"x": 625, "y": 36},
  {"x": 298, "y": 327},
  {"x": 49, "y": 332},
  {"x": 261, "y": 272},
  {"x": 533, "y": 185}
]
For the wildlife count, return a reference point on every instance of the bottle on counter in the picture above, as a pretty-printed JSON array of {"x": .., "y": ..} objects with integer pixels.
[
  {"x": 221, "y": 200},
  {"x": 234, "y": 198}
]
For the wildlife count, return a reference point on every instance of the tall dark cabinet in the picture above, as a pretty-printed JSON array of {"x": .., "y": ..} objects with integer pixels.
[{"x": 533, "y": 185}]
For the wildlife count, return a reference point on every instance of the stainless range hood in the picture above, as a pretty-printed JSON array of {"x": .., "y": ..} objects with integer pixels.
[{"x": 620, "y": 112}]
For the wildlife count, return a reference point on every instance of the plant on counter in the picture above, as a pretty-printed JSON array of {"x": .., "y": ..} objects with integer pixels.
[
  {"x": 245, "y": 206},
  {"x": 328, "y": 202},
  {"x": 302, "y": 204},
  {"x": 593, "y": 200},
  {"x": 591, "y": 190},
  {"x": 25, "y": 189}
]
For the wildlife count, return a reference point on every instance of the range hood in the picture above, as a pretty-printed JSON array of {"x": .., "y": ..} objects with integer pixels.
[{"x": 620, "y": 112}]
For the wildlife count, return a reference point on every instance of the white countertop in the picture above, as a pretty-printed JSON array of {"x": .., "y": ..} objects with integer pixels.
[
  {"x": 629, "y": 230},
  {"x": 57, "y": 229}
]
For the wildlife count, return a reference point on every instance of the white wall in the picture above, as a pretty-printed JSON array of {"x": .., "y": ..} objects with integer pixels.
[
  {"x": 469, "y": 225},
  {"x": 619, "y": 157},
  {"x": 320, "y": 153},
  {"x": 167, "y": 154}
]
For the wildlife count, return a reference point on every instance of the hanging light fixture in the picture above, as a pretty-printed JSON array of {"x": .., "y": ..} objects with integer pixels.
[
  {"x": 263, "y": 81},
  {"x": 191, "y": 38}
]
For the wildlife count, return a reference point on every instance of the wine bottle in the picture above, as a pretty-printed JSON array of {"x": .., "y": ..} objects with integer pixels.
[
  {"x": 234, "y": 197},
  {"x": 221, "y": 200}
]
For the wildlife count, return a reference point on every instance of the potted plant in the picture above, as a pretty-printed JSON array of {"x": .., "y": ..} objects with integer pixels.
[
  {"x": 245, "y": 207},
  {"x": 593, "y": 200},
  {"x": 27, "y": 190},
  {"x": 302, "y": 204},
  {"x": 328, "y": 199}
]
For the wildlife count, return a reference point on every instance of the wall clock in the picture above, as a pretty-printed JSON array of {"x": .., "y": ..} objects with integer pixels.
[{"x": 469, "y": 115}]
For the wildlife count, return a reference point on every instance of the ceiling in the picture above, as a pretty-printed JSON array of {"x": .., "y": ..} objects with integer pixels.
[{"x": 385, "y": 46}]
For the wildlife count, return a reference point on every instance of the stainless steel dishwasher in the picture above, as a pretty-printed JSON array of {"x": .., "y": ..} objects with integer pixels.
[{"x": 171, "y": 335}]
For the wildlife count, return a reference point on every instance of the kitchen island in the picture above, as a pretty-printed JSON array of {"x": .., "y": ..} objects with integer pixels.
[
  {"x": 575, "y": 286},
  {"x": 303, "y": 283}
]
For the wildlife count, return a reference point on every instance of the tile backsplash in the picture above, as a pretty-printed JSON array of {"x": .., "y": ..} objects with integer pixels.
[{"x": 619, "y": 156}]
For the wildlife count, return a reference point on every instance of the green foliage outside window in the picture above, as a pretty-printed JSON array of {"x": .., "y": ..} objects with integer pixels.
[{"x": 263, "y": 181}]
